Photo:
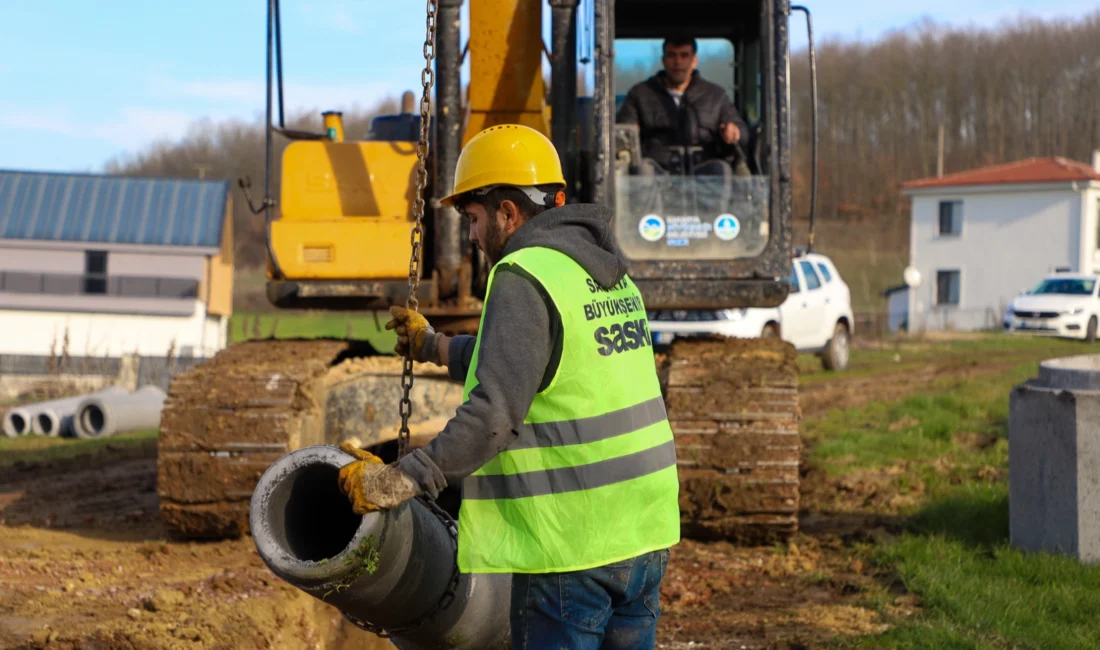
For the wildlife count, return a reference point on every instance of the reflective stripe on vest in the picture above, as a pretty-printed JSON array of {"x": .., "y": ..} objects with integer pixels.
[{"x": 591, "y": 477}]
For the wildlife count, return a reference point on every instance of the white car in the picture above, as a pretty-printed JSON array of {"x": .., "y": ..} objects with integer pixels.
[
  {"x": 816, "y": 316},
  {"x": 1064, "y": 304}
]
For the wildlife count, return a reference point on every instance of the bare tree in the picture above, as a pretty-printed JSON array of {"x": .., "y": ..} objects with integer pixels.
[{"x": 1024, "y": 88}]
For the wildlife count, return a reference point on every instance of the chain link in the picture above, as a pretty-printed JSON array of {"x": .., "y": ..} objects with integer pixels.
[{"x": 427, "y": 78}]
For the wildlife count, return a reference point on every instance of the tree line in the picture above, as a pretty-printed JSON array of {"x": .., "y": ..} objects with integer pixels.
[{"x": 1025, "y": 88}]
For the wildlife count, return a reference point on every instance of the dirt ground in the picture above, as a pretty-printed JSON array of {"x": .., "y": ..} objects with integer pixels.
[{"x": 84, "y": 564}]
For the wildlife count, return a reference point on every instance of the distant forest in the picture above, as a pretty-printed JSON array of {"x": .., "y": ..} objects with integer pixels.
[{"x": 1025, "y": 88}]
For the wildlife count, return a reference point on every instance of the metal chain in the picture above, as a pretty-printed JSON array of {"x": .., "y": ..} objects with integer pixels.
[
  {"x": 448, "y": 594},
  {"x": 427, "y": 78}
]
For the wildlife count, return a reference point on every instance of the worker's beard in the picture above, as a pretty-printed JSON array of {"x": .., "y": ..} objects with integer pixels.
[{"x": 495, "y": 240}]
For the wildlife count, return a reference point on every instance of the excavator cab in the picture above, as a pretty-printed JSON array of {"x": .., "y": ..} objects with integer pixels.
[{"x": 704, "y": 229}]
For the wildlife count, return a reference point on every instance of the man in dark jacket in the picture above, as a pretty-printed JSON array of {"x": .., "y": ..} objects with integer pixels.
[{"x": 677, "y": 107}]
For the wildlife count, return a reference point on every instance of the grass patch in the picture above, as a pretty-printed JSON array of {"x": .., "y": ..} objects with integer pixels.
[
  {"x": 901, "y": 354},
  {"x": 39, "y": 449},
  {"x": 925, "y": 427},
  {"x": 948, "y": 448},
  {"x": 979, "y": 592}
]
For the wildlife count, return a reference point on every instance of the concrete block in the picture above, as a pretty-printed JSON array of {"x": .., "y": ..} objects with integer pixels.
[{"x": 1054, "y": 459}]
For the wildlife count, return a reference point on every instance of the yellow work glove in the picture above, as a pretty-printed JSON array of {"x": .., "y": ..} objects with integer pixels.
[
  {"x": 413, "y": 329},
  {"x": 372, "y": 485}
]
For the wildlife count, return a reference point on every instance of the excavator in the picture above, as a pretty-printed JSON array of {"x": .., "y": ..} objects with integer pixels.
[{"x": 357, "y": 227}]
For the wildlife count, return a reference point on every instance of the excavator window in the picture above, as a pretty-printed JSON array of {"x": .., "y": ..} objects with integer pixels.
[{"x": 683, "y": 193}]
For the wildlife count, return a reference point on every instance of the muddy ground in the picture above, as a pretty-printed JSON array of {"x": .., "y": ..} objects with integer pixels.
[{"x": 84, "y": 564}]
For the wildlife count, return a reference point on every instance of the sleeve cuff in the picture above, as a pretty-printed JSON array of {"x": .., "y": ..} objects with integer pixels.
[
  {"x": 418, "y": 466},
  {"x": 458, "y": 362}
]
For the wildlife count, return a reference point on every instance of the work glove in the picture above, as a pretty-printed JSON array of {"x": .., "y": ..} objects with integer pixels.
[
  {"x": 413, "y": 330},
  {"x": 372, "y": 485}
]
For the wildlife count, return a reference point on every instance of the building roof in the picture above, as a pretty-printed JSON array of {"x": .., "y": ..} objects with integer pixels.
[
  {"x": 1032, "y": 170},
  {"x": 112, "y": 209}
]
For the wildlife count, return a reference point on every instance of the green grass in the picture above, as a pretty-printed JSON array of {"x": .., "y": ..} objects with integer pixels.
[
  {"x": 979, "y": 592},
  {"x": 369, "y": 326},
  {"x": 918, "y": 428},
  {"x": 975, "y": 591},
  {"x": 38, "y": 449},
  {"x": 923, "y": 427}
]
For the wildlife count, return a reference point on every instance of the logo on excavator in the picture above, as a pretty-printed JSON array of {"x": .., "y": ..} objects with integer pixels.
[
  {"x": 726, "y": 227},
  {"x": 651, "y": 227}
]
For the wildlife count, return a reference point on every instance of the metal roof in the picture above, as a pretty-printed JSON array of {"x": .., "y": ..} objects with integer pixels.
[{"x": 112, "y": 209}]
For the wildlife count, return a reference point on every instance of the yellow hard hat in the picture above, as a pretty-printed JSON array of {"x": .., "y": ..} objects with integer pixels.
[{"x": 507, "y": 154}]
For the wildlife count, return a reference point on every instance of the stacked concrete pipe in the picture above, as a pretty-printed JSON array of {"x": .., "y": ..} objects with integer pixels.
[
  {"x": 100, "y": 416},
  {"x": 55, "y": 418},
  {"x": 17, "y": 421},
  {"x": 307, "y": 534}
]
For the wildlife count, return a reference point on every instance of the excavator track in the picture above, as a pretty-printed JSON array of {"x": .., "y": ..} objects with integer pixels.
[
  {"x": 733, "y": 407},
  {"x": 228, "y": 419},
  {"x": 732, "y": 404}
]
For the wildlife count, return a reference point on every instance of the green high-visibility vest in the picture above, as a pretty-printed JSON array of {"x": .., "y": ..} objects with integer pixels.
[{"x": 591, "y": 478}]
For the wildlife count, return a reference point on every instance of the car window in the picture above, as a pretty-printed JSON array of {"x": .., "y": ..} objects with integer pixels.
[
  {"x": 1066, "y": 287},
  {"x": 812, "y": 281},
  {"x": 794, "y": 280},
  {"x": 825, "y": 274}
]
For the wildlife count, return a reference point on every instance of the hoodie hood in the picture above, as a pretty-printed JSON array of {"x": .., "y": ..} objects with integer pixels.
[{"x": 580, "y": 230}]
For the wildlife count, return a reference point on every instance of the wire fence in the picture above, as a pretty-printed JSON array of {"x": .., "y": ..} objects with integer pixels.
[
  {"x": 159, "y": 370},
  {"x": 881, "y": 324}
]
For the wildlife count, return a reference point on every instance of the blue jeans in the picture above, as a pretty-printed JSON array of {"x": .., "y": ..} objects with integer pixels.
[{"x": 613, "y": 607}]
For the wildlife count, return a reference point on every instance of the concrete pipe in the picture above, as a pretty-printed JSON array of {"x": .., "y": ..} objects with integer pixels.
[
  {"x": 388, "y": 568},
  {"x": 103, "y": 416},
  {"x": 17, "y": 422},
  {"x": 55, "y": 418}
]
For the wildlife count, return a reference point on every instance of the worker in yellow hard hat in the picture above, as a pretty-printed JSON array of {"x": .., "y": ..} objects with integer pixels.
[{"x": 562, "y": 445}]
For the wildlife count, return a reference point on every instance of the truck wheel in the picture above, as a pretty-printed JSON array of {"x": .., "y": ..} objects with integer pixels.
[
  {"x": 836, "y": 353},
  {"x": 1090, "y": 331},
  {"x": 771, "y": 331}
]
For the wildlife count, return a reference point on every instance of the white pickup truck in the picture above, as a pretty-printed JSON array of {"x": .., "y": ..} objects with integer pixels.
[{"x": 816, "y": 317}]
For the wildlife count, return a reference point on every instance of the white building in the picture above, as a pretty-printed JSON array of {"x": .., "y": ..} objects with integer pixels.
[
  {"x": 980, "y": 237},
  {"x": 105, "y": 266}
]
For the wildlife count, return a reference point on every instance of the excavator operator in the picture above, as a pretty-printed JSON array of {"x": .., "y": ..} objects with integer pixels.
[
  {"x": 562, "y": 445},
  {"x": 678, "y": 108}
]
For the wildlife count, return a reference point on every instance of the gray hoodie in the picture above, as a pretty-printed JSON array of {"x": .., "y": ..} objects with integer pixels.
[{"x": 521, "y": 342}]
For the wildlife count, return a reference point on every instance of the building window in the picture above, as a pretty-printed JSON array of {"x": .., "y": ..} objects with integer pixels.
[
  {"x": 951, "y": 217},
  {"x": 1098, "y": 223},
  {"x": 947, "y": 287},
  {"x": 95, "y": 272}
]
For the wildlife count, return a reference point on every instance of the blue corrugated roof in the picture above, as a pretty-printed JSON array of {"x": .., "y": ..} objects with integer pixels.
[{"x": 112, "y": 209}]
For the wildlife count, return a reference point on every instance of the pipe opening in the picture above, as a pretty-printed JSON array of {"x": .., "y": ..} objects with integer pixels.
[
  {"x": 45, "y": 423},
  {"x": 19, "y": 423},
  {"x": 93, "y": 419},
  {"x": 319, "y": 521}
]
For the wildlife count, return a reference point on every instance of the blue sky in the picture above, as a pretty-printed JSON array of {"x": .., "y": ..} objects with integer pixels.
[{"x": 85, "y": 81}]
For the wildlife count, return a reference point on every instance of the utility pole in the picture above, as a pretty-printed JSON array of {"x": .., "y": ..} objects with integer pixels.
[{"x": 939, "y": 154}]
